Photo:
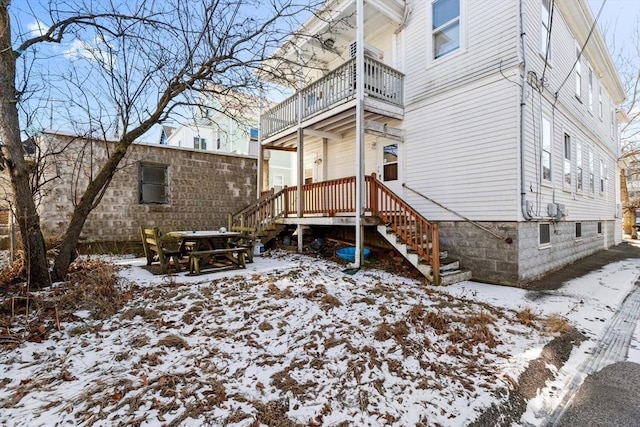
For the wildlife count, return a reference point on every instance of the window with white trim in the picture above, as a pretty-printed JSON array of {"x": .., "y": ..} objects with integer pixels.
[
  {"x": 567, "y": 161},
  {"x": 545, "y": 159},
  {"x": 578, "y": 230},
  {"x": 199, "y": 143},
  {"x": 544, "y": 234},
  {"x": 611, "y": 125},
  {"x": 602, "y": 175},
  {"x": 578, "y": 166},
  {"x": 578, "y": 74},
  {"x": 600, "y": 100},
  {"x": 591, "y": 174},
  {"x": 590, "y": 89},
  {"x": 445, "y": 27},
  {"x": 599, "y": 228},
  {"x": 545, "y": 29},
  {"x": 612, "y": 129}
]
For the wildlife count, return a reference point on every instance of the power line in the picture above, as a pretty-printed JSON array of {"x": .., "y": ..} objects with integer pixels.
[
  {"x": 593, "y": 26},
  {"x": 548, "y": 47}
]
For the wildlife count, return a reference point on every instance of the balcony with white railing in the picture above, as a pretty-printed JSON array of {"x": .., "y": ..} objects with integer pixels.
[{"x": 381, "y": 83}]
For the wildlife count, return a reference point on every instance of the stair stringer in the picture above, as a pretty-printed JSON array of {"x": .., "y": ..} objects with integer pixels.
[
  {"x": 450, "y": 272},
  {"x": 415, "y": 260}
]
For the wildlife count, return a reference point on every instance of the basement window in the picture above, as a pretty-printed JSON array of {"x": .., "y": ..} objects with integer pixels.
[
  {"x": 578, "y": 230},
  {"x": 599, "y": 228},
  {"x": 544, "y": 235},
  {"x": 153, "y": 183}
]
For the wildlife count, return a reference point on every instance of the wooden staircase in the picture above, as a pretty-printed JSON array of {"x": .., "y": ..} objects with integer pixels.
[
  {"x": 450, "y": 271},
  {"x": 402, "y": 226}
]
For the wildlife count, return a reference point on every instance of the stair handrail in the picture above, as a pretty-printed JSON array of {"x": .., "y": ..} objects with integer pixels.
[
  {"x": 507, "y": 239},
  {"x": 261, "y": 213},
  {"x": 398, "y": 215}
]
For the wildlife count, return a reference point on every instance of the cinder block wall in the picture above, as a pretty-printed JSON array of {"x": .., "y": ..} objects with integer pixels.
[
  {"x": 565, "y": 248},
  {"x": 493, "y": 260},
  {"x": 204, "y": 187},
  {"x": 489, "y": 257}
]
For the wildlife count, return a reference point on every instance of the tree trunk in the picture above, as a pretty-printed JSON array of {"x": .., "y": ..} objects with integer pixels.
[
  {"x": 67, "y": 249},
  {"x": 13, "y": 156},
  {"x": 628, "y": 211}
]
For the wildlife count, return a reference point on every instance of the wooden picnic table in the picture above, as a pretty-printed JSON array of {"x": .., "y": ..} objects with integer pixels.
[{"x": 212, "y": 246}]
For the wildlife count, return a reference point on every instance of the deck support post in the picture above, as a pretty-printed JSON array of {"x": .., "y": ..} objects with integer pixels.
[
  {"x": 300, "y": 194},
  {"x": 360, "y": 184},
  {"x": 260, "y": 184}
]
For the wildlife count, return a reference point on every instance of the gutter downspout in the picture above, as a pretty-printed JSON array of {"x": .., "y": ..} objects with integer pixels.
[
  {"x": 359, "y": 133},
  {"x": 523, "y": 191},
  {"x": 300, "y": 151},
  {"x": 260, "y": 150}
]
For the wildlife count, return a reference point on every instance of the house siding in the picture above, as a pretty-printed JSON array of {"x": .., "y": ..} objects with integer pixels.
[
  {"x": 472, "y": 144},
  {"x": 463, "y": 152},
  {"x": 204, "y": 189},
  {"x": 571, "y": 115},
  {"x": 490, "y": 38}
]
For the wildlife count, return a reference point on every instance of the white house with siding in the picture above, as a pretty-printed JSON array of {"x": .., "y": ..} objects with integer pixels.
[
  {"x": 490, "y": 126},
  {"x": 231, "y": 128}
]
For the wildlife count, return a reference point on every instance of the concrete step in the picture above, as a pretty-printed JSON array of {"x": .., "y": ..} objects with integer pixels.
[{"x": 454, "y": 276}]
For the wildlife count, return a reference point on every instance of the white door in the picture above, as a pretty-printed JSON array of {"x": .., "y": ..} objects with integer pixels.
[{"x": 389, "y": 169}]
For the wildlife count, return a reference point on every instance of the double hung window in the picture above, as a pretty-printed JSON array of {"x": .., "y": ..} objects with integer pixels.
[{"x": 445, "y": 28}]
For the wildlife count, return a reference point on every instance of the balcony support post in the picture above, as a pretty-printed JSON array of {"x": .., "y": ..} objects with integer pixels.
[
  {"x": 300, "y": 195},
  {"x": 360, "y": 184}
]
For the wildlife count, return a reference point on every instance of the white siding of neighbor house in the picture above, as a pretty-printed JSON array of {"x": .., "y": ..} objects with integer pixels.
[{"x": 572, "y": 116}]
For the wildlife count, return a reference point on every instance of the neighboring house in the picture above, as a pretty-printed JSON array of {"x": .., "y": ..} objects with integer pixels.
[
  {"x": 167, "y": 187},
  {"x": 490, "y": 125},
  {"x": 229, "y": 128}
]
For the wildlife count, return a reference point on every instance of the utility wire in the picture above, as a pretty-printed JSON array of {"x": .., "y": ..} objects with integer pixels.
[
  {"x": 548, "y": 48},
  {"x": 593, "y": 26}
]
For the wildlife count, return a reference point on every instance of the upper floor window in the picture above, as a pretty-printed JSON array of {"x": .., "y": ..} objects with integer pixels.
[
  {"x": 153, "y": 183},
  {"x": 612, "y": 129},
  {"x": 578, "y": 71},
  {"x": 545, "y": 29},
  {"x": 567, "y": 161},
  {"x": 590, "y": 93},
  {"x": 600, "y": 101},
  {"x": 445, "y": 16},
  {"x": 546, "y": 149},
  {"x": 199, "y": 143}
]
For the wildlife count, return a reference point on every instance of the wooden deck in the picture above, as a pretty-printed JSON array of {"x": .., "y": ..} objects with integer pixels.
[{"x": 333, "y": 203}]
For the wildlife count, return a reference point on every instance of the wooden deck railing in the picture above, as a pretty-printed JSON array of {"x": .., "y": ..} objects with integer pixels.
[
  {"x": 381, "y": 82},
  {"x": 338, "y": 196},
  {"x": 418, "y": 233}
]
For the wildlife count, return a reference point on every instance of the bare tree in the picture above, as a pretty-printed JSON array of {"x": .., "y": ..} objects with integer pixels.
[{"x": 119, "y": 68}]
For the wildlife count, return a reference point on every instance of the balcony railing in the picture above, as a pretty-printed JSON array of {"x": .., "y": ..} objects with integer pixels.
[{"x": 380, "y": 82}]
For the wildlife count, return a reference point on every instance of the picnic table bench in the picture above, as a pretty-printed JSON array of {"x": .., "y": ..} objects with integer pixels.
[
  {"x": 155, "y": 250},
  {"x": 230, "y": 257}
]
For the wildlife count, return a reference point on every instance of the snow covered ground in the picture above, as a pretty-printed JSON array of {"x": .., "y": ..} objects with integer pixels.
[{"x": 294, "y": 341}]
